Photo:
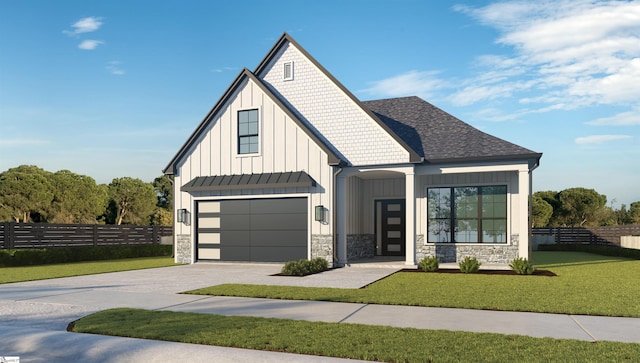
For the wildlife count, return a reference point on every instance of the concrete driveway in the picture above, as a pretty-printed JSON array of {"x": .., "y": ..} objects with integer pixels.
[{"x": 34, "y": 315}]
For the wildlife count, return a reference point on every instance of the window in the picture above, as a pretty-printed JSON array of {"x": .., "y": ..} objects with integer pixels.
[
  {"x": 248, "y": 132},
  {"x": 467, "y": 214},
  {"x": 288, "y": 71}
]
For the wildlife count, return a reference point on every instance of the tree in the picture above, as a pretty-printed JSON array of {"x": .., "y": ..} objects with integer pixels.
[
  {"x": 541, "y": 212},
  {"x": 161, "y": 217},
  {"x": 552, "y": 198},
  {"x": 580, "y": 206},
  {"x": 25, "y": 194},
  {"x": 634, "y": 212},
  {"x": 163, "y": 186},
  {"x": 77, "y": 199},
  {"x": 131, "y": 201}
]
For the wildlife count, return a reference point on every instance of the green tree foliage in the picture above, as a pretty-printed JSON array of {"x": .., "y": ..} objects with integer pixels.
[
  {"x": 25, "y": 194},
  {"x": 541, "y": 212},
  {"x": 132, "y": 201},
  {"x": 634, "y": 212},
  {"x": 581, "y": 206},
  {"x": 163, "y": 186},
  {"x": 162, "y": 217},
  {"x": 77, "y": 199}
]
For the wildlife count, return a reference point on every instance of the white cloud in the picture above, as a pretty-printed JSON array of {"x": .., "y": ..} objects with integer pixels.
[
  {"x": 223, "y": 69},
  {"x": 582, "y": 52},
  {"x": 622, "y": 119},
  {"x": 90, "y": 44},
  {"x": 422, "y": 84},
  {"x": 85, "y": 25},
  {"x": 114, "y": 68},
  {"x": 599, "y": 139}
]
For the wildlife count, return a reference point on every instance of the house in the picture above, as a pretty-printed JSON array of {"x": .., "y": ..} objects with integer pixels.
[{"x": 289, "y": 164}]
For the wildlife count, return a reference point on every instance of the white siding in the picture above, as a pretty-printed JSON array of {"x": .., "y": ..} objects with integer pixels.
[
  {"x": 358, "y": 137},
  {"x": 283, "y": 147}
]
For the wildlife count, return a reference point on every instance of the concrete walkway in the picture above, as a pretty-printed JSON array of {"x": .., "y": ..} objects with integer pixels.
[{"x": 34, "y": 315}]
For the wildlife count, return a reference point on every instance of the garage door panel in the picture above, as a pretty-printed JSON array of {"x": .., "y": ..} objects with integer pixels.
[
  {"x": 264, "y": 230},
  {"x": 235, "y": 207},
  {"x": 238, "y": 238},
  {"x": 269, "y": 206},
  {"x": 278, "y": 238},
  {"x": 234, "y": 221},
  {"x": 279, "y": 222},
  {"x": 278, "y": 254},
  {"x": 235, "y": 253}
]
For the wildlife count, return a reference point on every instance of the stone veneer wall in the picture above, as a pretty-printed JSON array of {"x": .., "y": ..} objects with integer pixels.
[
  {"x": 360, "y": 246},
  {"x": 322, "y": 246},
  {"x": 485, "y": 253},
  {"x": 183, "y": 248}
]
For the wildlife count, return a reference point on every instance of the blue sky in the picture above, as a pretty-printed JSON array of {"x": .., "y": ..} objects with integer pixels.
[{"x": 113, "y": 88}]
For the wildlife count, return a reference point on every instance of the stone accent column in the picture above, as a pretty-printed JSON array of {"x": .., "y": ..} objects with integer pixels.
[
  {"x": 183, "y": 248},
  {"x": 322, "y": 247}
]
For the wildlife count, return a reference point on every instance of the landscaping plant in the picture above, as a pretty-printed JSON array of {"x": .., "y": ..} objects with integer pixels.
[
  {"x": 469, "y": 265},
  {"x": 429, "y": 264},
  {"x": 304, "y": 267},
  {"x": 522, "y": 266}
]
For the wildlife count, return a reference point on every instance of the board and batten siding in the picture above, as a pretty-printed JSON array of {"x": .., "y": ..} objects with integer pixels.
[
  {"x": 284, "y": 147},
  {"x": 319, "y": 101}
]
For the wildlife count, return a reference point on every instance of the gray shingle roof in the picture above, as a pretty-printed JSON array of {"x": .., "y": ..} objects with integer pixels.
[{"x": 440, "y": 137}]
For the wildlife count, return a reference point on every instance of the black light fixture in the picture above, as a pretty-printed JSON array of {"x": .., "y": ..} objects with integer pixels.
[
  {"x": 319, "y": 213},
  {"x": 182, "y": 215}
]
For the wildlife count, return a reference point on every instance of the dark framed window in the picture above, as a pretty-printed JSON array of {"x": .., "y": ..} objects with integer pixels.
[
  {"x": 467, "y": 214},
  {"x": 248, "y": 137}
]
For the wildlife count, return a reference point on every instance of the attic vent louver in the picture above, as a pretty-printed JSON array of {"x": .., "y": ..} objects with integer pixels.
[{"x": 288, "y": 71}]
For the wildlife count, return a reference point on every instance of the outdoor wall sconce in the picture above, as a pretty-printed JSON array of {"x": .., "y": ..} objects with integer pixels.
[
  {"x": 319, "y": 213},
  {"x": 183, "y": 214}
]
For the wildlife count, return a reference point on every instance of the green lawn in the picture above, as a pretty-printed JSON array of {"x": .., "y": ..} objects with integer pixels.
[
  {"x": 349, "y": 340},
  {"x": 41, "y": 272},
  {"x": 585, "y": 284}
]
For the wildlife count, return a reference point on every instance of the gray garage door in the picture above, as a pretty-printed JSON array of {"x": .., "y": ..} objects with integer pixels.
[{"x": 260, "y": 230}]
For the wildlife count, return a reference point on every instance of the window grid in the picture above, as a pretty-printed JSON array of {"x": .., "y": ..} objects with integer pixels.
[
  {"x": 479, "y": 214},
  {"x": 248, "y": 132}
]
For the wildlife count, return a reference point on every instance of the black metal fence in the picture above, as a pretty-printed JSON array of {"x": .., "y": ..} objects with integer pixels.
[
  {"x": 589, "y": 235},
  {"x": 45, "y": 235}
]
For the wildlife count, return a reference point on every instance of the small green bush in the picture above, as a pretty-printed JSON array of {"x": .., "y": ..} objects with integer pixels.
[
  {"x": 305, "y": 267},
  {"x": 469, "y": 265},
  {"x": 522, "y": 266},
  {"x": 429, "y": 264}
]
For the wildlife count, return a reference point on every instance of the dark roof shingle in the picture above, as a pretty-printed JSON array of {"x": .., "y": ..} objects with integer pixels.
[{"x": 440, "y": 137}]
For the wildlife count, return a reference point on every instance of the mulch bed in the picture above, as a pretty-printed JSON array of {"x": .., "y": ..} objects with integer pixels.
[{"x": 483, "y": 272}]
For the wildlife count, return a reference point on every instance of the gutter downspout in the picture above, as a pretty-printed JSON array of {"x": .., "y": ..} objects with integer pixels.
[{"x": 335, "y": 214}]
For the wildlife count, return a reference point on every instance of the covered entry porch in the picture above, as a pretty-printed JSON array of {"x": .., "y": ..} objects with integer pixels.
[{"x": 376, "y": 215}]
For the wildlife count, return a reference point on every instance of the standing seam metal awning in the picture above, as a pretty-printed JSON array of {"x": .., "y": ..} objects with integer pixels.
[{"x": 249, "y": 181}]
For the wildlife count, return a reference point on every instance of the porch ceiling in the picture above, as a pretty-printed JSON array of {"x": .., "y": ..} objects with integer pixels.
[{"x": 379, "y": 174}]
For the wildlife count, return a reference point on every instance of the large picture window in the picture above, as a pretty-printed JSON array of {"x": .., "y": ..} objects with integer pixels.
[
  {"x": 467, "y": 214},
  {"x": 248, "y": 138}
]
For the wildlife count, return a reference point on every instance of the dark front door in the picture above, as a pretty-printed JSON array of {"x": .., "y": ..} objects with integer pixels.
[{"x": 390, "y": 227}]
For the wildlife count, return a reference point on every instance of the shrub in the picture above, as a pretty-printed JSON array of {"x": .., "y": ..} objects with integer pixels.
[
  {"x": 604, "y": 250},
  {"x": 429, "y": 264},
  {"x": 469, "y": 265},
  {"x": 304, "y": 267},
  {"x": 522, "y": 266},
  {"x": 44, "y": 256}
]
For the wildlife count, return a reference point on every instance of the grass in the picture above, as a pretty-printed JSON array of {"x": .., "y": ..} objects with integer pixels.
[
  {"x": 348, "y": 340},
  {"x": 30, "y": 273},
  {"x": 585, "y": 284}
]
